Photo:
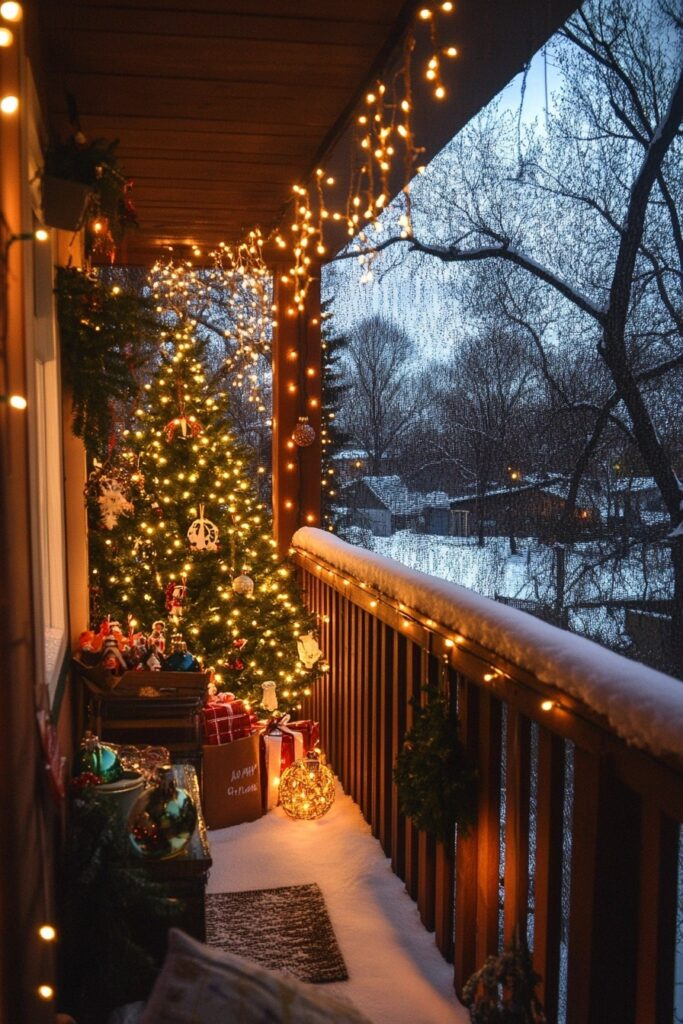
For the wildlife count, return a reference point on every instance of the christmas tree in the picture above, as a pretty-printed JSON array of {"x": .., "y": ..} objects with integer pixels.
[{"x": 178, "y": 535}]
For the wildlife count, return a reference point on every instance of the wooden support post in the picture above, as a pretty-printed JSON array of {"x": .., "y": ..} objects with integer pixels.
[
  {"x": 465, "y": 953},
  {"x": 605, "y": 897},
  {"x": 517, "y": 824},
  {"x": 296, "y": 393},
  {"x": 399, "y": 708},
  {"x": 548, "y": 880},
  {"x": 386, "y": 675},
  {"x": 657, "y": 928},
  {"x": 488, "y": 826}
]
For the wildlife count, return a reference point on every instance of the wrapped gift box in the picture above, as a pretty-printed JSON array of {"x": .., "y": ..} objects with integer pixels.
[
  {"x": 281, "y": 745},
  {"x": 226, "y": 721},
  {"x": 310, "y": 732}
]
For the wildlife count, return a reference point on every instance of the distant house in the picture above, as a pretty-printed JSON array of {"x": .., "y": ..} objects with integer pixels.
[
  {"x": 384, "y": 504},
  {"x": 530, "y": 509},
  {"x": 443, "y": 521},
  {"x": 636, "y": 501},
  {"x": 350, "y": 464}
]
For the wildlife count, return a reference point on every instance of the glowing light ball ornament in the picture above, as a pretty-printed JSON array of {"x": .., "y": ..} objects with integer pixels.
[
  {"x": 307, "y": 789},
  {"x": 303, "y": 434}
]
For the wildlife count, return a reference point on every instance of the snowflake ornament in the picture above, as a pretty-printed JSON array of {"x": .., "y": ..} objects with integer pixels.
[{"x": 112, "y": 501}]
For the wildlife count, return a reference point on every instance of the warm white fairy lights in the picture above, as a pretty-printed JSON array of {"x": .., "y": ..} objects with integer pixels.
[
  {"x": 384, "y": 136},
  {"x": 231, "y": 300}
]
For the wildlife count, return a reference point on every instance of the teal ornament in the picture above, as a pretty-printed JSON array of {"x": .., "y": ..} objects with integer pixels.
[
  {"x": 181, "y": 661},
  {"x": 99, "y": 759},
  {"x": 162, "y": 820}
]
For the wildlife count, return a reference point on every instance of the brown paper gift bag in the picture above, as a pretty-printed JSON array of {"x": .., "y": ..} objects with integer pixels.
[{"x": 232, "y": 782}]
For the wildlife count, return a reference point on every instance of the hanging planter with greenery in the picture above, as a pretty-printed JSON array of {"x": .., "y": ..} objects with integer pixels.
[
  {"x": 437, "y": 785},
  {"x": 83, "y": 185},
  {"x": 107, "y": 334}
]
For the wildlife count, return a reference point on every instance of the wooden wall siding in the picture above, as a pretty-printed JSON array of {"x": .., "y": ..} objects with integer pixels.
[{"x": 627, "y": 807}]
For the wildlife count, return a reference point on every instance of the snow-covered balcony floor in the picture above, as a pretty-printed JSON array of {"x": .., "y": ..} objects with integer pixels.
[{"x": 396, "y": 973}]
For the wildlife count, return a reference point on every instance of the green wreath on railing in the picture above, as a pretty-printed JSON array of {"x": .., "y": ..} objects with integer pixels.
[{"x": 437, "y": 784}]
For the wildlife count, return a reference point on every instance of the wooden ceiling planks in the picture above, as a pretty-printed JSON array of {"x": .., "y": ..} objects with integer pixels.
[{"x": 221, "y": 105}]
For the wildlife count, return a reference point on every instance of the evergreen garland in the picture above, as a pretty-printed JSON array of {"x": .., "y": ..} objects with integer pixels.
[
  {"x": 106, "y": 335},
  {"x": 503, "y": 991},
  {"x": 333, "y": 437},
  {"x": 102, "y": 892},
  {"x": 436, "y": 782}
]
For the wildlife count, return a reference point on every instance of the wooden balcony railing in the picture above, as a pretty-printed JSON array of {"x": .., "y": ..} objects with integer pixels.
[{"x": 580, "y": 761}]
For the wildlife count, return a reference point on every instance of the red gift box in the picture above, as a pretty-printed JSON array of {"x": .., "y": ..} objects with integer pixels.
[
  {"x": 226, "y": 720},
  {"x": 281, "y": 745},
  {"x": 310, "y": 731}
]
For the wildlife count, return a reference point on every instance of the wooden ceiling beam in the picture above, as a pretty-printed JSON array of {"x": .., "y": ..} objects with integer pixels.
[{"x": 221, "y": 105}]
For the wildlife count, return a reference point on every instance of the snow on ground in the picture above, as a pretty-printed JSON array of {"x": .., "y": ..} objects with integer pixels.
[
  {"x": 396, "y": 973},
  {"x": 530, "y": 574},
  {"x": 643, "y": 706}
]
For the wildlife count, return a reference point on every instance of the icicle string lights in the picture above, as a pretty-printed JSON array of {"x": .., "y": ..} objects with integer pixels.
[{"x": 384, "y": 140}]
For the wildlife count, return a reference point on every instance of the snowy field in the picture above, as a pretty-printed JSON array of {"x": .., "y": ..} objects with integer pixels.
[
  {"x": 530, "y": 574},
  {"x": 396, "y": 973}
]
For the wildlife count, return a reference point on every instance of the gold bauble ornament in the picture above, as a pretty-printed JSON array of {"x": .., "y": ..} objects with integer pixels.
[
  {"x": 307, "y": 789},
  {"x": 243, "y": 585}
]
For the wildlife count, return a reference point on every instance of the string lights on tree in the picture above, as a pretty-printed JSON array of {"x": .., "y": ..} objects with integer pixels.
[{"x": 193, "y": 527}]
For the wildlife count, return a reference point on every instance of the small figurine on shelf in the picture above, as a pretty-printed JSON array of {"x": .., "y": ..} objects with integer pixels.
[
  {"x": 142, "y": 655},
  {"x": 180, "y": 659},
  {"x": 269, "y": 700},
  {"x": 111, "y": 657},
  {"x": 112, "y": 628},
  {"x": 153, "y": 662},
  {"x": 90, "y": 646},
  {"x": 157, "y": 638}
]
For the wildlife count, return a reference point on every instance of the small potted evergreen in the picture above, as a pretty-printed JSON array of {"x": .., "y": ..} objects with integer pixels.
[{"x": 503, "y": 990}]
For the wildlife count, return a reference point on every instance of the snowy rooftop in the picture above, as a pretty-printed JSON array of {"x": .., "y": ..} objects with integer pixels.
[
  {"x": 357, "y": 453},
  {"x": 396, "y": 973},
  {"x": 554, "y": 485},
  {"x": 634, "y": 483},
  {"x": 394, "y": 493}
]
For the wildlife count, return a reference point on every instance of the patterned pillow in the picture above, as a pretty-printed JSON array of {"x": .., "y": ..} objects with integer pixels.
[{"x": 200, "y": 985}]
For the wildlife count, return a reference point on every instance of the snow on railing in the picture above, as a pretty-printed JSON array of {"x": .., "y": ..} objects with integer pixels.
[{"x": 643, "y": 706}]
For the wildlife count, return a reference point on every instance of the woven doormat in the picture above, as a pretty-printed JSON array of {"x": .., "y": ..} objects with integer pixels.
[{"x": 286, "y": 929}]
